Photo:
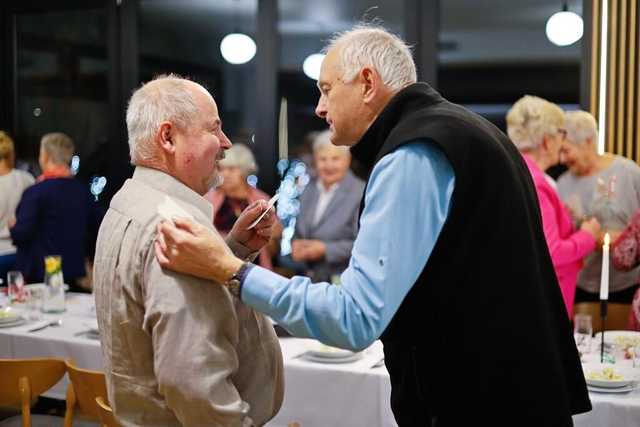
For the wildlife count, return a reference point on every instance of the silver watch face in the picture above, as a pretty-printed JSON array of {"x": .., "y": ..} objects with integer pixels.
[{"x": 234, "y": 286}]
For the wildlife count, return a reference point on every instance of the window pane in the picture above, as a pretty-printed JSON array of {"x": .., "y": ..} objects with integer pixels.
[
  {"x": 489, "y": 63},
  {"x": 62, "y": 75},
  {"x": 184, "y": 36}
]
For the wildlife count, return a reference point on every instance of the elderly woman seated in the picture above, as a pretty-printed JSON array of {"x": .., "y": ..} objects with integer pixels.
[
  {"x": 234, "y": 194},
  {"x": 12, "y": 183},
  {"x": 327, "y": 224},
  {"x": 536, "y": 127},
  {"x": 56, "y": 216}
]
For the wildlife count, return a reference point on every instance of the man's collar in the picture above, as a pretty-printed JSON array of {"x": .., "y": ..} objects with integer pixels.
[{"x": 170, "y": 186}]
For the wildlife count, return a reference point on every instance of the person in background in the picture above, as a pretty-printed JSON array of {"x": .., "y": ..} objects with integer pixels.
[
  {"x": 235, "y": 194},
  {"x": 328, "y": 221},
  {"x": 536, "y": 127},
  {"x": 12, "y": 183},
  {"x": 625, "y": 256},
  {"x": 604, "y": 186},
  {"x": 450, "y": 264},
  {"x": 179, "y": 351},
  {"x": 56, "y": 216}
]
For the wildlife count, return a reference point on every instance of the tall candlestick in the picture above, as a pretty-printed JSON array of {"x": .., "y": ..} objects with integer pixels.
[{"x": 604, "y": 277}]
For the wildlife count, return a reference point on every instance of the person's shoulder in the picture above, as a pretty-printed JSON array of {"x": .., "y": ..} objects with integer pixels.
[
  {"x": 24, "y": 177},
  {"x": 352, "y": 181},
  {"x": 627, "y": 165}
]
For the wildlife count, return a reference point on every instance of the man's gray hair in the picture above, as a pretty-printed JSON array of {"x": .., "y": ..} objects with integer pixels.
[
  {"x": 322, "y": 140},
  {"x": 165, "y": 98},
  {"x": 581, "y": 126},
  {"x": 239, "y": 155},
  {"x": 374, "y": 46},
  {"x": 59, "y": 147}
]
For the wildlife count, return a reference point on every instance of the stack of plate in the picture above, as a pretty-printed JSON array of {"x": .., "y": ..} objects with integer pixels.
[
  {"x": 318, "y": 352},
  {"x": 9, "y": 319},
  {"x": 606, "y": 378}
]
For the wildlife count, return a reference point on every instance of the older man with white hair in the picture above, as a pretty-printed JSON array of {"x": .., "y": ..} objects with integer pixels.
[
  {"x": 450, "y": 267},
  {"x": 605, "y": 186},
  {"x": 177, "y": 349}
]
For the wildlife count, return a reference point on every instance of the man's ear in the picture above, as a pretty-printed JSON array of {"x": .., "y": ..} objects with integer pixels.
[
  {"x": 165, "y": 137},
  {"x": 370, "y": 80}
]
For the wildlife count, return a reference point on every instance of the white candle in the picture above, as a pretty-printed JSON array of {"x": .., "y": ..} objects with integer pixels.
[{"x": 604, "y": 277}]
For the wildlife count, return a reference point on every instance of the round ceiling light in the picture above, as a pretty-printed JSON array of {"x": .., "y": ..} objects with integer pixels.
[
  {"x": 237, "y": 48},
  {"x": 311, "y": 65},
  {"x": 564, "y": 28}
]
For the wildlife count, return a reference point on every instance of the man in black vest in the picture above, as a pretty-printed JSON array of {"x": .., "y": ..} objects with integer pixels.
[{"x": 450, "y": 268}]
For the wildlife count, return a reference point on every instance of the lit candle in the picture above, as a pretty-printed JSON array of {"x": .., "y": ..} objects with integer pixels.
[{"x": 604, "y": 277}]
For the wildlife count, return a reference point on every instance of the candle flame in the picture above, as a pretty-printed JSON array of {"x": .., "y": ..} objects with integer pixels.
[{"x": 606, "y": 239}]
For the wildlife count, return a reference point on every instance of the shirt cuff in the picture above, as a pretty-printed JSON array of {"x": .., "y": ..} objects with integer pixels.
[
  {"x": 257, "y": 288},
  {"x": 240, "y": 250}
]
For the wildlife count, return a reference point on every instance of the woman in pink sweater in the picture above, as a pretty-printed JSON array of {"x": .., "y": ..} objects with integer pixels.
[{"x": 536, "y": 127}]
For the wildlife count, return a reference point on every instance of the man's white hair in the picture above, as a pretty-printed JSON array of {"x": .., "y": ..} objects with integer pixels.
[
  {"x": 322, "y": 140},
  {"x": 165, "y": 98},
  {"x": 530, "y": 119},
  {"x": 581, "y": 126},
  {"x": 373, "y": 46}
]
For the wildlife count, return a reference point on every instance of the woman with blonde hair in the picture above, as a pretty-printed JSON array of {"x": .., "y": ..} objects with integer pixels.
[
  {"x": 536, "y": 127},
  {"x": 13, "y": 182}
]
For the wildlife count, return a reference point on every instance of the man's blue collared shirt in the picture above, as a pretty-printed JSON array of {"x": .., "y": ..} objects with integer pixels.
[{"x": 407, "y": 202}]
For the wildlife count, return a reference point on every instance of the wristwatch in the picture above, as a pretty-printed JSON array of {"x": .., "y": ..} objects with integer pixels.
[{"x": 234, "y": 283}]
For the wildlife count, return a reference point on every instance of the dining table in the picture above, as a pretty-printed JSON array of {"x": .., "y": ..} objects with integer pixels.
[{"x": 319, "y": 392}]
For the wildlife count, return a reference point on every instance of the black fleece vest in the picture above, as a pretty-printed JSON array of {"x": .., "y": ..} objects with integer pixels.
[{"x": 483, "y": 336}]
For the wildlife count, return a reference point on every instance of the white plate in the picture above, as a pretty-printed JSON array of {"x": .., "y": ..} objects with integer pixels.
[
  {"x": 319, "y": 350},
  {"x": 19, "y": 321},
  {"x": 628, "y": 375},
  {"x": 625, "y": 389},
  {"x": 351, "y": 358}
]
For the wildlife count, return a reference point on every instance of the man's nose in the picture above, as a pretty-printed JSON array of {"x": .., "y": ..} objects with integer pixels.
[
  {"x": 225, "y": 142},
  {"x": 321, "y": 109}
]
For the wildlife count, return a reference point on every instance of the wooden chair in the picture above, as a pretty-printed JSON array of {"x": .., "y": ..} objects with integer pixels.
[
  {"x": 617, "y": 315},
  {"x": 84, "y": 387},
  {"x": 23, "y": 380},
  {"x": 106, "y": 414}
]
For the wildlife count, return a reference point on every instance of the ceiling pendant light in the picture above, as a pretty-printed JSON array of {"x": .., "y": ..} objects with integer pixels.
[
  {"x": 237, "y": 48},
  {"x": 311, "y": 65},
  {"x": 564, "y": 28}
]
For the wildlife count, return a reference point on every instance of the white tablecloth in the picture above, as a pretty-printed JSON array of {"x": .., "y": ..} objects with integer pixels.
[{"x": 316, "y": 395}]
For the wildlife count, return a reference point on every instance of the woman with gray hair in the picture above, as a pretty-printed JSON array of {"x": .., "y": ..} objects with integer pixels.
[
  {"x": 607, "y": 187},
  {"x": 56, "y": 216},
  {"x": 536, "y": 127},
  {"x": 234, "y": 195}
]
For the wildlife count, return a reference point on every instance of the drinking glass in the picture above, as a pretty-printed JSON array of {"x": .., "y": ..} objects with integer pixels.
[
  {"x": 582, "y": 332},
  {"x": 15, "y": 286},
  {"x": 35, "y": 301}
]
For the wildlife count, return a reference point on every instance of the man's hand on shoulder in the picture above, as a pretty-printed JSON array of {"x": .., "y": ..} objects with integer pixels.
[{"x": 190, "y": 248}]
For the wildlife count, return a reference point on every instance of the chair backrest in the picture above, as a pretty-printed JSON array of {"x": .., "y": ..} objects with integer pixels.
[
  {"x": 84, "y": 387},
  {"x": 617, "y": 315},
  {"x": 22, "y": 380},
  {"x": 106, "y": 414}
]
